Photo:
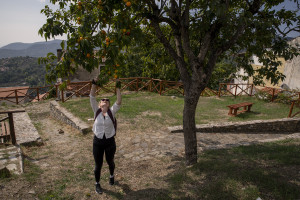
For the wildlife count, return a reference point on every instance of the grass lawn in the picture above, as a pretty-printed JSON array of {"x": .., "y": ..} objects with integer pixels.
[
  {"x": 165, "y": 110},
  {"x": 268, "y": 171}
]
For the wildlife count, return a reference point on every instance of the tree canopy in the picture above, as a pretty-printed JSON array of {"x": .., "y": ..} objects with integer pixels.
[{"x": 196, "y": 34}]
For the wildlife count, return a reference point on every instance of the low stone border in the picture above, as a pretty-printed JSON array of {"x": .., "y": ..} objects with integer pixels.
[
  {"x": 26, "y": 133},
  {"x": 286, "y": 125},
  {"x": 67, "y": 117},
  {"x": 11, "y": 160}
]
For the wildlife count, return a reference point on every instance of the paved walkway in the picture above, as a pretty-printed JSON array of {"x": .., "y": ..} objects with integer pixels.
[{"x": 160, "y": 143}]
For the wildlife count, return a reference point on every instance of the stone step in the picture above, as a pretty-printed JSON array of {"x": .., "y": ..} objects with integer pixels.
[{"x": 11, "y": 160}]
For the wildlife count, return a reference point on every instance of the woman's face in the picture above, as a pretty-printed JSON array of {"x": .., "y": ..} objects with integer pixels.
[{"x": 104, "y": 103}]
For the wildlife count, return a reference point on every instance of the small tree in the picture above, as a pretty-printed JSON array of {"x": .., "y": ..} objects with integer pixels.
[{"x": 199, "y": 34}]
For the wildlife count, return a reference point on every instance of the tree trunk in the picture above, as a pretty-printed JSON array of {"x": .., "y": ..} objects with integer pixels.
[{"x": 189, "y": 125}]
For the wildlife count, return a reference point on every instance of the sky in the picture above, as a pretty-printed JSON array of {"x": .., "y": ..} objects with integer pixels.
[{"x": 20, "y": 20}]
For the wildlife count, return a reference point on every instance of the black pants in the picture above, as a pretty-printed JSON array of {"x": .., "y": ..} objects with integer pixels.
[{"x": 99, "y": 147}]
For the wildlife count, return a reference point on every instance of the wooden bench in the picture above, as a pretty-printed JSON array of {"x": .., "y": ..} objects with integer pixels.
[
  {"x": 233, "y": 109},
  {"x": 4, "y": 132}
]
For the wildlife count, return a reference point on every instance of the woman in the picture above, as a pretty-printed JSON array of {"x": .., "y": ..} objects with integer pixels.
[{"x": 104, "y": 129}]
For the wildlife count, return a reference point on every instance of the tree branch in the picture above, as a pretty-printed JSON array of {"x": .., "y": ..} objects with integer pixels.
[
  {"x": 181, "y": 64},
  {"x": 184, "y": 30}
]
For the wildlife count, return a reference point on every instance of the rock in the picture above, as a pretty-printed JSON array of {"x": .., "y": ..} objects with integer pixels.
[
  {"x": 31, "y": 192},
  {"x": 60, "y": 131},
  {"x": 173, "y": 97},
  {"x": 12, "y": 167}
]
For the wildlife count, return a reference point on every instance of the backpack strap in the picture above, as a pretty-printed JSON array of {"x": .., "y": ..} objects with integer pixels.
[
  {"x": 113, "y": 119},
  {"x": 97, "y": 113}
]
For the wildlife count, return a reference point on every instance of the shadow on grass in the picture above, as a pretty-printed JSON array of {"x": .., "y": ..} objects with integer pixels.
[
  {"x": 149, "y": 193},
  {"x": 269, "y": 171}
]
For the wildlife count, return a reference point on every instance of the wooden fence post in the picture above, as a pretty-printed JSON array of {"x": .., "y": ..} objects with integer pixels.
[
  {"x": 38, "y": 94},
  {"x": 291, "y": 109},
  {"x": 220, "y": 85},
  {"x": 137, "y": 84},
  {"x": 150, "y": 86},
  {"x": 160, "y": 86},
  {"x": 236, "y": 85},
  {"x": 16, "y": 95},
  {"x": 251, "y": 89},
  {"x": 62, "y": 96},
  {"x": 11, "y": 128},
  {"x": 273, "y": 92}
]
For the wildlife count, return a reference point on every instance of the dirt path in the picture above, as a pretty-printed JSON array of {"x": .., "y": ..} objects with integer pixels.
[{"x": 62, "y": 168}]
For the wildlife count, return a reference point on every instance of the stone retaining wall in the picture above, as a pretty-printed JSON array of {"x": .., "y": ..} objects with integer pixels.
[
  {"x": 65, "y": 116},
  {"x": 286, "y": 125}
]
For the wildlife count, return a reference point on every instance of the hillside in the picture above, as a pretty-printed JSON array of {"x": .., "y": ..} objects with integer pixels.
[
  {"x": 21, "y": 71},
  {"x": 37, "y": 49}
]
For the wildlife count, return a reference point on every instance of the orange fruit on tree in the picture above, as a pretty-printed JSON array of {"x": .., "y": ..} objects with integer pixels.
[
  {"x": 115, "y": 76},
  {"x": 79, "y": 3},
  {"x": 128, "y": 4},
  {"x": 100, "y": 2},
  {"x": 125, "y": 1},
  {"x": 78, "y": 20},
  {"x": 117, "y": 65},
  {"x": 81, "y": 38},
  {"x": 88, "y": 55},
  {"x": 124, "y": 30},
  {"x": 107, "y": 39}
]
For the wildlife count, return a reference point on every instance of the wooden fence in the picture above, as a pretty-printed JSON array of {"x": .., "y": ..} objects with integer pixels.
[
  {"x": 132, "y": 84},
  {"x": 17, "y": 96},
  {"x": 233, "y": 89},
  {"x": 295, "y": 103},
  {"x": 274, "y": 92},
  {"x": 138, "y": 84},
  {"x": 7, "y": 127}
]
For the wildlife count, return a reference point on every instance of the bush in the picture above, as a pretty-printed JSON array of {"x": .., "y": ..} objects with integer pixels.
[{"x": 263, "y": 95}]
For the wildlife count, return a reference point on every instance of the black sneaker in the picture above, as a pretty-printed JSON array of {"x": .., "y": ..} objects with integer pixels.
[
  {"x": 112, "y": 180},
  {"x": 99, "y": 189}
]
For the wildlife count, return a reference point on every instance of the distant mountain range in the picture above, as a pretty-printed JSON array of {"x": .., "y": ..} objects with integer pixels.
[{"x": 37, "y": 49}]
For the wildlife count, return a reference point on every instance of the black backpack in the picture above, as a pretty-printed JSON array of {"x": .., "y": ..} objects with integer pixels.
[{"x": 113, "y": 119}]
